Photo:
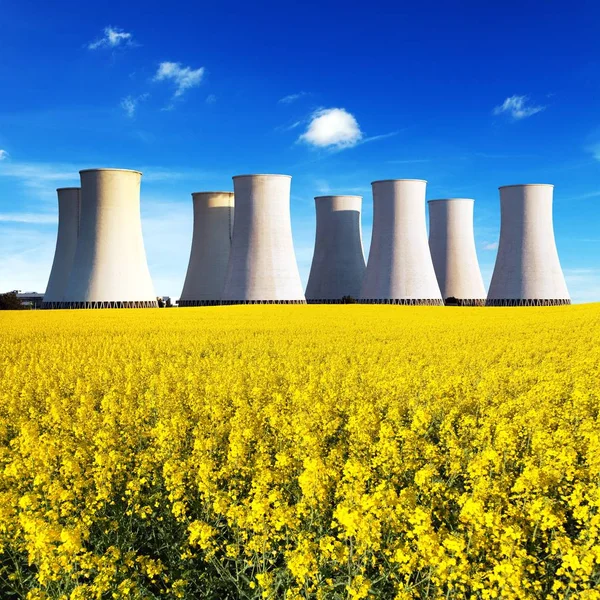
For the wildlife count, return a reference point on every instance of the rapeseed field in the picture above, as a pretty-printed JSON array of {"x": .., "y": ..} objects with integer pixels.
[{"x": 321, "y": 452}]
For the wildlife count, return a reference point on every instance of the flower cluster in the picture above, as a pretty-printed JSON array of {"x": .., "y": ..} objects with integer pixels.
[{"x": 321, "y": 452}]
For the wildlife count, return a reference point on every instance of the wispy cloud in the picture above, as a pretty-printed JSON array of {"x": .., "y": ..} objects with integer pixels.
[
  {"x": 113, "y": 37},
  {"x": 517, "y": 108},
  {"x": 211, "y": 99},
  {"x": 40, "y": 176},
  {"x": 583, "y": 284},
  {"x": 407, "y": 161},
  {"x": 332, "y": 128},
  {"x": 3, "y": 154},
  {"x": 595, "y": 150},
  {"x": 376, "y": 138},
  {"x": 490, "y": 246},
  {"x": 27, "y": 253},
  {"x": 44, "y": 175},
  {"x": 586, "y": 196},
  {"x": 290, "y": 126},
  {"x": 291, "y": 98},
  {"x": 130, "y": 103},
  {"x": 184, "y": 78},
  {"x": 38, "y": 219},
  {"x": 322, "y": 186}
]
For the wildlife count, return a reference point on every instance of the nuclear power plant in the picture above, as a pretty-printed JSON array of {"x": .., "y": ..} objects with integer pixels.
[
  {"x": 338, "y": 264},
  {"x": 100, "y": 260},
  {"x": 66, "y": 243},
  {"x": 262, "y": 265},
  {"x": 452, "y": 246},
  {"x": 110, "y": 269},
  {"x": 527, "y": 270},
  {"x": 399, "y": 269},
  {"x": 211, "y": 242}
]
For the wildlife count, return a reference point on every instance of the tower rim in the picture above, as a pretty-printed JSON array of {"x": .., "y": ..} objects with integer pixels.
[
  {"x": 389, "y": 180},
  {"x": 551, "y": 185},
  {"x": 262, "y": 175},
  {"x": 451, "y": 200},
  {"x": 110, "y": 169},
  {"x": 337, "y": 196},
  {"x": 213, "y": 192}
]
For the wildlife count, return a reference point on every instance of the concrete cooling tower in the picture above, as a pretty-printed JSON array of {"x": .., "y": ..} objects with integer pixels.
[
  {"x": 452, "y": 245},
  {"x": 110, "y": 268},
  {"x": 527, "y": 270},
  {"x": 262, "y": 265},
  {"x": 211, "y": 242},
  {"x": 399, "y": 269},
  {"x": 66, "y": 243},
  {"x": 338, "y": 264}
]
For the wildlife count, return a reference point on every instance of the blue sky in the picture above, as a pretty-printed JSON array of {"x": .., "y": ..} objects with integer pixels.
[{"x": 468, "y": 95}]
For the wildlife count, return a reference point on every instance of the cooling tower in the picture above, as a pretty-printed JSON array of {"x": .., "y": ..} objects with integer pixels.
[
  {"x": 110, "y": 268},
  {"x": 527, "y": 270},
  {"x": 338, "y": 264},
  {"x": 399, "y": 269},
  {"x": 66, "y": 242},
  {"x": 452, "y": 245},
  {"x": 262, "y": 265},
  {"x": 213, "y": 227}
]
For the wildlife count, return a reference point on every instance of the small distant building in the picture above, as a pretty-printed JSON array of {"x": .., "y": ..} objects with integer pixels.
[{"x": 31, "y": 299}]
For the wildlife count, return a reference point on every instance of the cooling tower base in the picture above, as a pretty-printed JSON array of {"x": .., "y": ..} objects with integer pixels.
[
  {"x": 464, "y": 301},
  {"x": 188, "y": 303},
  {"x": 405, "y": 301},
  {"x": 51, "y": 305},
  {"x": 109, "y": 304},
  {"x": 230, "y": 302},
  {"x": 330, "y": 301},
  {"x": 528, "y": 302}
]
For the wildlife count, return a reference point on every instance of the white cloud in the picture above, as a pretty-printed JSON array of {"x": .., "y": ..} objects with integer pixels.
[
  {"x": 3, "y": 154},
  {"x": 332, "y": 127},
  {"x": 516, "y": 107},
  {"x": 211, "y": 99},
  {"x": 291, "y": 98},
  {"x": 113, "y": 37},
  {"x": 183, "y": 77},
  {"x": 130, "y": 103}
]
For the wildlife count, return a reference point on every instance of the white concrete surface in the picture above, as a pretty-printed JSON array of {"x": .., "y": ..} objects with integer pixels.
[
  {"x": 110, "y": 267},
  {"x": 211, "y": 243},
  {"x": 399, "y": 269},
  {"x": 262, "y": 262},
  {"x": 527, "y": 269},
  {"x": 452, "y": 246},
  {"x": 338, "y": 264},
  {"x": 66, "y": 243}
]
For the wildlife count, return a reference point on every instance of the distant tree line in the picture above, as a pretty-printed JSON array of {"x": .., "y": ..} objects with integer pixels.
[{"x": 10, "y": 301}]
